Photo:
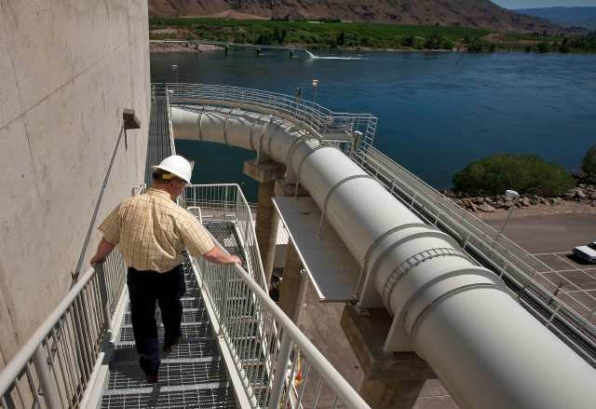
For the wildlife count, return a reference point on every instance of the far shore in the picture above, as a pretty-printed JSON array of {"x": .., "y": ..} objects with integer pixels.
[{"x": 159, "y": 47}]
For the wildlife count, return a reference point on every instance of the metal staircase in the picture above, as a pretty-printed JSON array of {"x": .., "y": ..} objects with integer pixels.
[{"x": 192, "y": 375}]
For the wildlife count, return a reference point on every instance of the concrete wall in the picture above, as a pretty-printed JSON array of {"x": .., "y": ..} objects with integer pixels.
[{"x": 68, "y": 68}]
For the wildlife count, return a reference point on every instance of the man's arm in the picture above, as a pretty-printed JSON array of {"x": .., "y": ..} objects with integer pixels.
[
  {"x": 103, "y": 249},
  {"x": 216, "y": 255}
]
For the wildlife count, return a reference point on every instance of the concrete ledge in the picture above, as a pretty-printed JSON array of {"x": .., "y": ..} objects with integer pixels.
[
  {"x": 366, "y": 334},
  {"x": 263, "y": 172}
]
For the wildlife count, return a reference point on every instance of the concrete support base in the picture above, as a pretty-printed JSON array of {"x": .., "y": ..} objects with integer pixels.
[
  {"x": 390, "y": 393},
  {"x": 391, "y": 380},
  {"x": 289, "y": 293}
]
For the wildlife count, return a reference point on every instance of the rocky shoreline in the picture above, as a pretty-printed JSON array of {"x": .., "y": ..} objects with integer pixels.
[
  {"x": 159, "y": 47},
  {"x": 584, "y": 195}
]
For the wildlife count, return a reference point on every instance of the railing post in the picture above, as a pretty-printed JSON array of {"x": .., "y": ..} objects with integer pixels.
[
  {"x": 103, "y": 293},
  {"x": 224, "y": 299},
  {"x": 48, "y": 388},
  {"x": 280, "y": 372}
]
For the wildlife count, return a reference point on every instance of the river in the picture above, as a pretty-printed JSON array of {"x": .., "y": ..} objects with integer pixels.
[{"x": 437, "y": 111}]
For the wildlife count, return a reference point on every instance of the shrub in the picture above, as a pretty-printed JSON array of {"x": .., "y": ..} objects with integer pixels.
[
  {"x": 589, "y": 162},
  {"x": 478, "y": 46},
  {"x": 497, "y": 173},
  {"x": 544, "y": 47},
  {"x": 409, "y": 41}
]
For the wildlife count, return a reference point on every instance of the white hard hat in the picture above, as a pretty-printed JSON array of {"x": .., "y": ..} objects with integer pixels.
[{"x": 176, "y": 165}]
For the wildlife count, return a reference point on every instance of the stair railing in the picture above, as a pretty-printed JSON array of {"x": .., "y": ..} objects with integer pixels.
[
  {"x": 54, "y": 367},
  {"x": 226, "y": 203},
  {"x": 277, "y": 365},
  {"x": 308, "y": 114}
]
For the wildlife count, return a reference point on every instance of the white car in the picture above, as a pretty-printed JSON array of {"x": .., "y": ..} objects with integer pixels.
[{"x": 587, "y": 252}]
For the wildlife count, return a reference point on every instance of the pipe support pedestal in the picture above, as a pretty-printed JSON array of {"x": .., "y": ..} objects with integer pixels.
[
  {"x": 391, "y": 380},
  {"x": 267, "y": 219}
]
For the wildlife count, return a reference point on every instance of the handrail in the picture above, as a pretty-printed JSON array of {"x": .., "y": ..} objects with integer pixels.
[
  {"x": 284, "y": 350},
  {"x": 195, "y": 195},
  {"x": 15, "y": 366},
  {"x": 308, "y": 114},
  {"x": 59, "y": 358}
]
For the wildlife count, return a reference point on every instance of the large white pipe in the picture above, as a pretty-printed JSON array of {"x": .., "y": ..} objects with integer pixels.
[{"x": 489, "y": 352}]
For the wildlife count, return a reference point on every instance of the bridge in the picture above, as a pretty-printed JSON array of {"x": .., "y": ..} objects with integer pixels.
[{"x": 367, "y": 232}]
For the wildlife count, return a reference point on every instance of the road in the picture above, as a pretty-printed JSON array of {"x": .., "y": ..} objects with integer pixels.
[{"x": 553, "y": 233}]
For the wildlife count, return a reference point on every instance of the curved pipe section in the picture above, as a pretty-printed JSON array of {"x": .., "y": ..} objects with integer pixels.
[{"x": 488, "y": 350}]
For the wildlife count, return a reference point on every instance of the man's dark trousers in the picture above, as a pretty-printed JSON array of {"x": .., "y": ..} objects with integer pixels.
[{"x": 145, "y": 288}]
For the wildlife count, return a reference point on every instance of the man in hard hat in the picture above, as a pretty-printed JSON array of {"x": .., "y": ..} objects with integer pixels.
[{"x": 152, "y": 231}]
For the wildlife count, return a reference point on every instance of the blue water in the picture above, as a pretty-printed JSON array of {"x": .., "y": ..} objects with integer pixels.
[{"x": 437, "y": 111}]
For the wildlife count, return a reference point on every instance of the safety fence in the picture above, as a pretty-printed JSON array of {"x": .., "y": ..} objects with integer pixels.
[
  {"x": 278, "y": 366},
  {"x": 54, "y": 367},
  {"x": 334, "y": 127},
  {"x": 567, "y": 316},
  {"x": 226, "y": 203}
]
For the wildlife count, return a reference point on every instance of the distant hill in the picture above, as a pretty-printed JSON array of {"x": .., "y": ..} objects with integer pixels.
[
  {"x": 468, "y": 13},
  {"x": 565, "y": 16}
]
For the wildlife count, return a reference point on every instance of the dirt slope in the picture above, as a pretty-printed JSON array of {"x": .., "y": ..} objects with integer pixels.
[{"x": 470, "y": 13}]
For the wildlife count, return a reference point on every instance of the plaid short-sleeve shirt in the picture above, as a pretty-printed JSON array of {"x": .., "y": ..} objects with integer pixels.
[{"x": 152, "y": 231}]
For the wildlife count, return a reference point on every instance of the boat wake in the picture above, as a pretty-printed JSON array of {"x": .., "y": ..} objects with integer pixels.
[{"x": 317, "y": 57}]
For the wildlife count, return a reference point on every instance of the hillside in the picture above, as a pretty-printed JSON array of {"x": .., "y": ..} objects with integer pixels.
[
  {"x": 566, "y": 16},
  {"x": 468, "y": 13}
]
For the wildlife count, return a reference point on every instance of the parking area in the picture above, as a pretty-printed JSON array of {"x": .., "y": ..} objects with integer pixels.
[{"x": 550, "y": 238}]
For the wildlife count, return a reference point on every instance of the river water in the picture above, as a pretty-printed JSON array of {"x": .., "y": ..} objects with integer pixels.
[{"x": 437, "y": 111}]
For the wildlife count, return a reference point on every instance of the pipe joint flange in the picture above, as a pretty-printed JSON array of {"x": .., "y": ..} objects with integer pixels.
[
  {"x": 413, "y": 261},
  {"x": 199, "y": 122},
  {"x": 225, "y": 129},
  {"x": 411, "y": 323},
  {"x": 429, "y": 233},
  {"x": 338, "y": 184},
  {"x": 316, "y": 148},
  {"x": 373, "y": 246},
  {"x": 252, "y": 128},
  {"x": 294, "y": 145},
  {"x": 261, "y": 135},
  {"x": 278, "y": 127}
]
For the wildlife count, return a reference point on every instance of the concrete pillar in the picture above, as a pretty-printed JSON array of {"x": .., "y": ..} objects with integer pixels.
[
  {"x": 289, "y": 294},
  {"x": 391, "y": 380},
  {"x": 266, "y": 173},
  {"x": 266, "y": 227}
]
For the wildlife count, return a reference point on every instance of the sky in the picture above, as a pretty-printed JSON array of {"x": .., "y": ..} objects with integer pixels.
[{"x": 518, "y": 4}]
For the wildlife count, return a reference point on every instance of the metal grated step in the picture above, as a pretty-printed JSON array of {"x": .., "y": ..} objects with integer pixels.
[
  {"x": 188, "y": 315},
  {"x": 187, "y": 302},
  {"x": 129, "y": 375},
  {"x": 198, "y": 348},
  {"x": 189, "y": 332},
  {"x": 215, "y": 398}
]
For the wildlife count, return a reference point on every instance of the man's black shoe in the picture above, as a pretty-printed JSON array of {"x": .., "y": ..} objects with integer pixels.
[
  {"x": 167, "y": 347},
  {"x": 152, "y": 378}
]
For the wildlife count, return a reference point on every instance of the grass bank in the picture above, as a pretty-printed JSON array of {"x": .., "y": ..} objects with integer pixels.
[{"x": 350, "y": 36}]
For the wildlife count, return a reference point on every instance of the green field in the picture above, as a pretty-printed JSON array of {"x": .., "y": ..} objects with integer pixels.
[
  {"x": 327, "y": 35},
  {"x": 350, "y": 36}
]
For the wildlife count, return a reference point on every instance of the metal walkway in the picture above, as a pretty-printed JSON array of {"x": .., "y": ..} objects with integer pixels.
[
  {"x": 159, "y": 144},
  {"x": 194, "y": 373}
]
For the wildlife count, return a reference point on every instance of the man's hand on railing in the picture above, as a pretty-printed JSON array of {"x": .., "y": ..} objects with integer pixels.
[{"x": 216, "y": 255}]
